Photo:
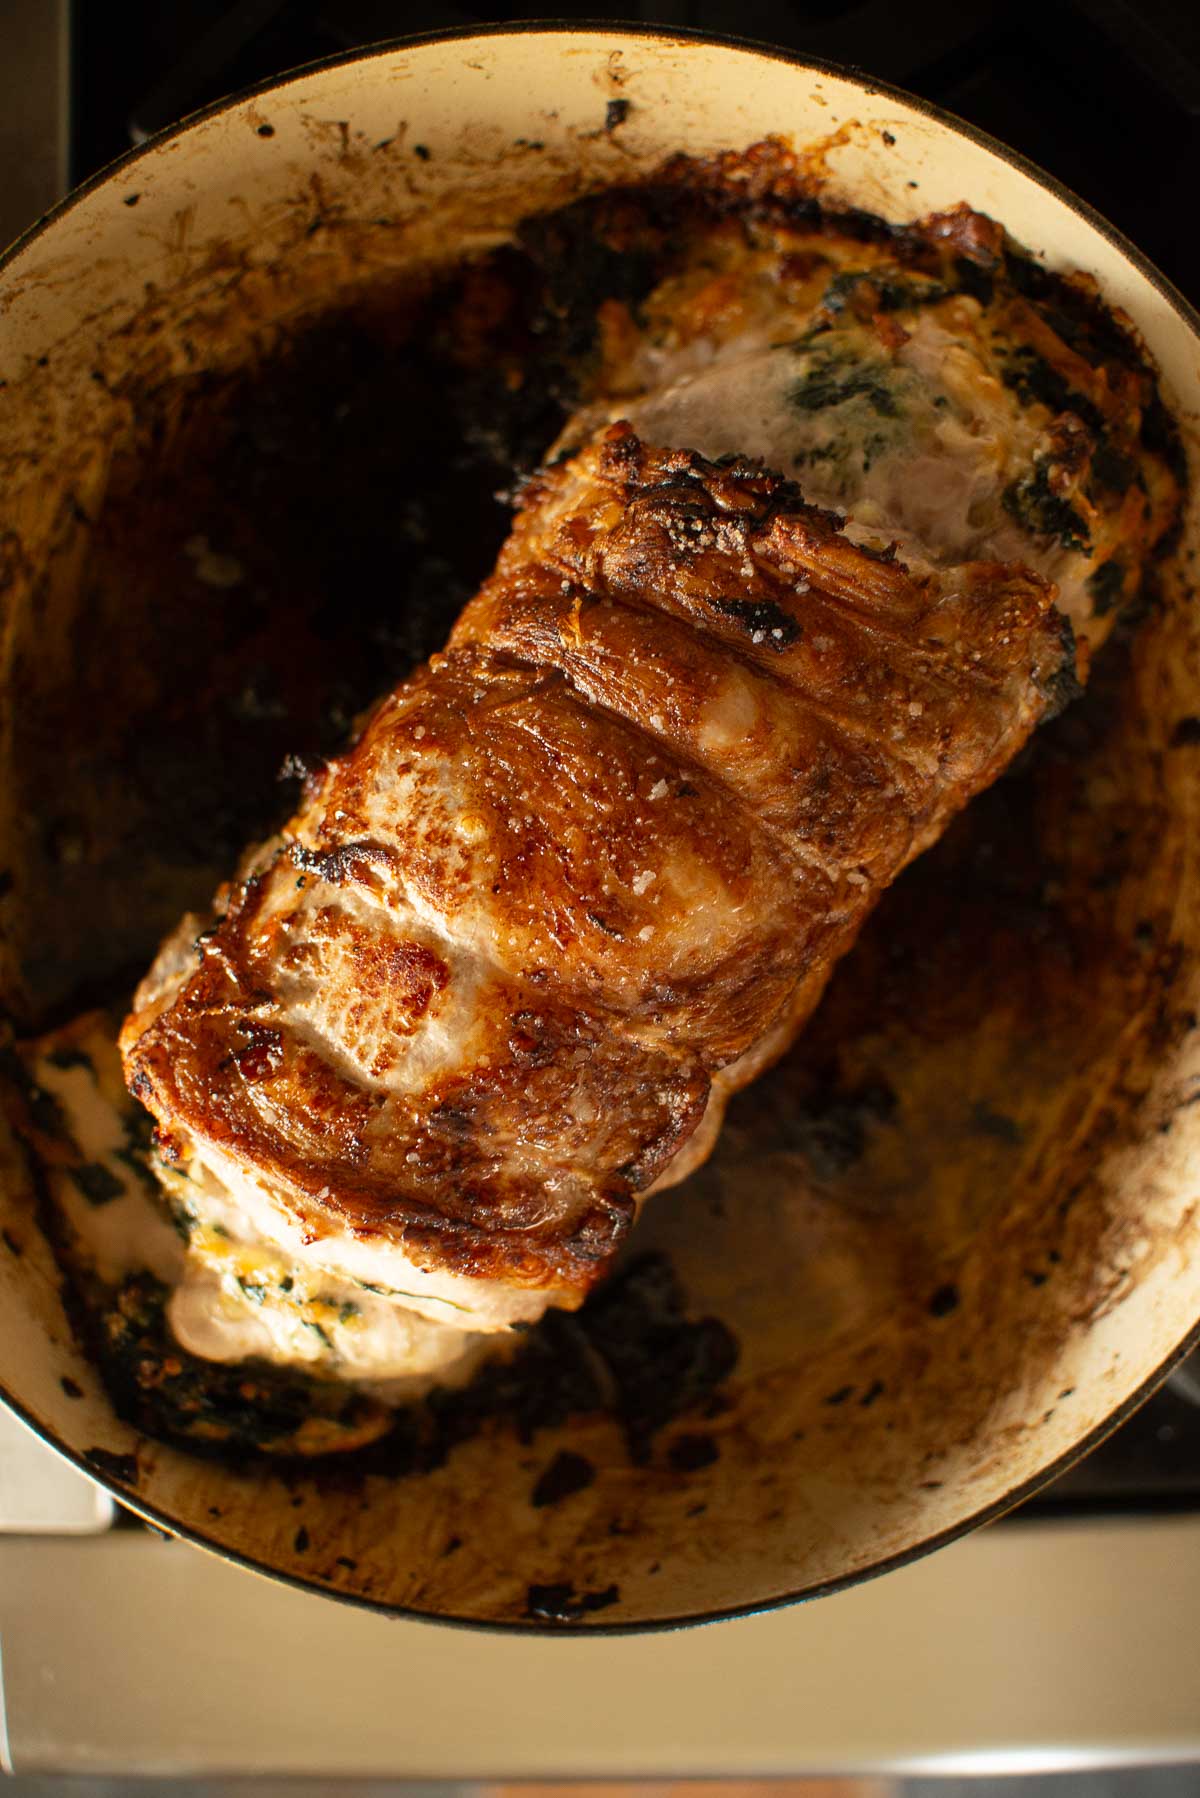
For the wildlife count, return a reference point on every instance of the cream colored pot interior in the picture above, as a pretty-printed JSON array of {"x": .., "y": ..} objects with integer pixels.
[{"x": 1010, "y": 1251}]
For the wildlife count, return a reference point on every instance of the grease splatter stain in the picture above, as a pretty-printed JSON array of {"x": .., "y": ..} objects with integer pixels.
[
  {"x": 944, "y": 1300},
  {"x": 690, "y": 1453},
  {"x": 567, "y": 1474},
  {"x": 112, "y": 1466}
]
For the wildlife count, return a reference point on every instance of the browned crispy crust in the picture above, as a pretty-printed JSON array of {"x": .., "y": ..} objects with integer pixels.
[{"x": 675, "y": 748}]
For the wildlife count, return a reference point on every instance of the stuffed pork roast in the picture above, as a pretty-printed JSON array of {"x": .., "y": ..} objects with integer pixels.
[
  {"x": 578, "y": 879},
  {"x": 586, "y": 873}
]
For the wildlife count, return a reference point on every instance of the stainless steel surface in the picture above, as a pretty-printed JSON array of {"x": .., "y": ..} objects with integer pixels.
[
  {"x": 1029, "y": 1648},
  {"x": 1186, "y": 1379},
  {"x": 41, "y": 1493},
  {"x": 33, "y": 110}
]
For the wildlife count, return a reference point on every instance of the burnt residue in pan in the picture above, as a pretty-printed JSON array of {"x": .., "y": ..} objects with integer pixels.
[{"x": 634, "y": 1351}]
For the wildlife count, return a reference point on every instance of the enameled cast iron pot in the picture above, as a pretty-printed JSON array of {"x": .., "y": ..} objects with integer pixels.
[{"x": 1008, "y": 1259}]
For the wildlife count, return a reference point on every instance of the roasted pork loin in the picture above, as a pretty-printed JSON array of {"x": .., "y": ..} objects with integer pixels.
[{"x": 580, "y": 877}]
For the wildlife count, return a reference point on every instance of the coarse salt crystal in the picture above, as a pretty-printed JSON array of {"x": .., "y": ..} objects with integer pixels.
[
  {"x": 419, "y": 731},
  {"x": 643, "y": 880},
  {"x": 645, "y": 933},
  {"x": 757, "y": 636},
  {"x": 659, "y": 790}
]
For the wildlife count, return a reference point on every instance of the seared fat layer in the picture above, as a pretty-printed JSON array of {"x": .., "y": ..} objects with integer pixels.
[{"x": 579, "y": 877}]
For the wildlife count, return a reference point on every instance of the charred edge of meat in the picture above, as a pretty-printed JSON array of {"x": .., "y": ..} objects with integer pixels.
[
  {"x": 684, "y": 475},
  {"x": 343, "y": 864},
  {"x": 1064, "y": 686},
  {"x": 762, "y": 620},
  {"x": 309, "y": 770}
]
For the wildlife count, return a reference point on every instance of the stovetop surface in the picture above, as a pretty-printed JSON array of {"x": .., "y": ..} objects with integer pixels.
[{"x": 1106, "y": 96}]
